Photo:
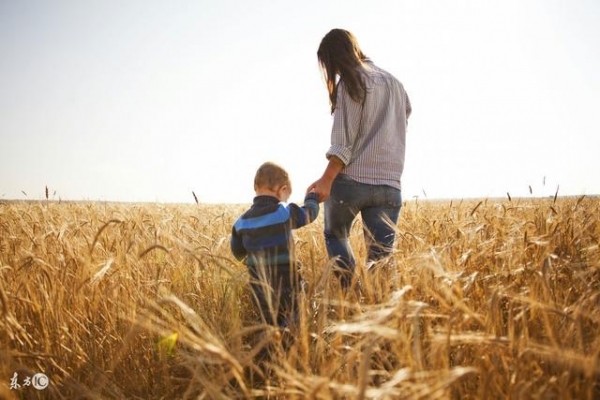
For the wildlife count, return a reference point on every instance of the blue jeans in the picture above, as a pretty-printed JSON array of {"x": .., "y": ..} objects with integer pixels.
[{"x": 379, "y": 206}]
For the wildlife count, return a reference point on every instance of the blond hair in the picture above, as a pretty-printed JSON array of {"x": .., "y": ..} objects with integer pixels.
[{"x": 270, "y": 176}]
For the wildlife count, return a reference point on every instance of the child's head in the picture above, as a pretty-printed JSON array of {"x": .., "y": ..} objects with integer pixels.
[{"x": 273, "y": 180}]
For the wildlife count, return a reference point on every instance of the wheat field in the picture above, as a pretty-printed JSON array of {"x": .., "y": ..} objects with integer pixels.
[{"x": 497, "y": 298}]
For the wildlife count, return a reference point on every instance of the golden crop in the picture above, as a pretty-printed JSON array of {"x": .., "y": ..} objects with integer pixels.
[{"x": 498, "y": 298}]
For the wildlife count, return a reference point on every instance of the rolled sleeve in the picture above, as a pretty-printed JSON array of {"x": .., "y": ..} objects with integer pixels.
[
  {"x": 346, "y": 126},
  {"x": 341, "y": 152}
]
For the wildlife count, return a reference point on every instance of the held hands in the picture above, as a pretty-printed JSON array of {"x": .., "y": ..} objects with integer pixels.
[{"x": 322, "y": 188}]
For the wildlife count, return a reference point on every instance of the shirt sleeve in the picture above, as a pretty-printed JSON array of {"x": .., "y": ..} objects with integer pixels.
[
  {"x": 306, "y": 214},
  {"x": 237, "y": 246},
  {"x": 346, "y": 124},
  {"x": 408, "y": 106}
]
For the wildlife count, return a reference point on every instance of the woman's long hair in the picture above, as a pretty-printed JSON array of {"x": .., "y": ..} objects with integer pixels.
[{"x": 339, "y": 54}]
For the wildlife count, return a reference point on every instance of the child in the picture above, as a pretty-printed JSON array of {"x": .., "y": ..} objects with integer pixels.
[{"x": 263, "y": 237}]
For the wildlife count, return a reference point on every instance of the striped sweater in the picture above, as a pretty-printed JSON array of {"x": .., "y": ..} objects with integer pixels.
[{"x": 263, "y": 233}]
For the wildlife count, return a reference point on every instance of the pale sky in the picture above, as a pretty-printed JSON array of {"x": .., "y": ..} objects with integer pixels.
[{"x": 151, "y": 100}]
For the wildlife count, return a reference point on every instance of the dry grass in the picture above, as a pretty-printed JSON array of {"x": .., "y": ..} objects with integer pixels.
[{"x": 483, "y": 299}]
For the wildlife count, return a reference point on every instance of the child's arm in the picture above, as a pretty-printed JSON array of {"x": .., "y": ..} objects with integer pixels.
[
  {"x": 306, "y": 214},
  {"x": 237, "y": 246}
]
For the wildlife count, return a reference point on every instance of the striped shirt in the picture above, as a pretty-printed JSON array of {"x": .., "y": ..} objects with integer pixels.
[
  {"x": 263, "y": 233},
  {"x": 370, "y": 138}
]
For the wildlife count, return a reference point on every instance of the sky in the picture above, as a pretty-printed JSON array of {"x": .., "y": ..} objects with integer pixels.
[{"x": 149, "y": 101}]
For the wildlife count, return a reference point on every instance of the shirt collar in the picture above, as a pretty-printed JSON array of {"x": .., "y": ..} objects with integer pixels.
[{"x": 266, "y": 199}]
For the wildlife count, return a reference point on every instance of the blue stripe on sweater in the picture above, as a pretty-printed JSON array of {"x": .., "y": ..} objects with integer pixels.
[{"x": 278, "y": 217}]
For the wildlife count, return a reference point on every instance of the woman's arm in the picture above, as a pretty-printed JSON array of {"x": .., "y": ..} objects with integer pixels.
[{"x": 322, "y": 187}]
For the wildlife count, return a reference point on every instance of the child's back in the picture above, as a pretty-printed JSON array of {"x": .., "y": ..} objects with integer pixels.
[{"x": 263, "y": 237}]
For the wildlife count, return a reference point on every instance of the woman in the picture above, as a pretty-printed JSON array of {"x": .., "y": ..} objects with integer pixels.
[{"x": 370, "y": 111}]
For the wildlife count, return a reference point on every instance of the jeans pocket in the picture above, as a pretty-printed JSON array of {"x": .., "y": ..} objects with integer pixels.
[
  {"x": 393, "y": 197},
  {"x": 342, "y": 190}
]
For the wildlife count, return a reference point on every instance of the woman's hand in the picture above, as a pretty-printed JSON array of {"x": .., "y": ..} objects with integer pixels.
[{"x": 322, "y": 187}]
